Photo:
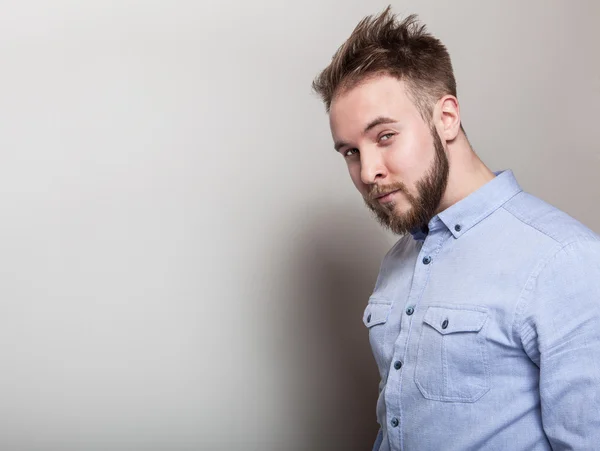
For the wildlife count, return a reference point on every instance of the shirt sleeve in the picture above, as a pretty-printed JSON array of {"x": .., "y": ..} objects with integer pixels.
[
  {"x": 559, "y": 328},
  {"x": 378, "y": 440}
]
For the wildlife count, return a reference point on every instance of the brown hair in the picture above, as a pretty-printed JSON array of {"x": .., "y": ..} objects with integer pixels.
[{"x": 382, "y": 45}]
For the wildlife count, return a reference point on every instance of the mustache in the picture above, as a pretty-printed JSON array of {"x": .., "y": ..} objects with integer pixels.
[{"x": 379, "y": 191}]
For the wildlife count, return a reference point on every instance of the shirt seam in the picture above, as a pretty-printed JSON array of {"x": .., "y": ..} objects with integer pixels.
[
  {"x": 522, "y": 300},
  {"x": 533, "y": 226}
]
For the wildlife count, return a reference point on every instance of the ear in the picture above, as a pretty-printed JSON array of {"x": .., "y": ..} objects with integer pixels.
[{"x": 449, "y": 117}]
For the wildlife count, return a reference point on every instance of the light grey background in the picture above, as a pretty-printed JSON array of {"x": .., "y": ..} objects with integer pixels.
[{"x": 184, "y": 261}]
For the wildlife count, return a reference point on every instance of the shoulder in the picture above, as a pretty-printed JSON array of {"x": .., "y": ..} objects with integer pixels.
[
  {"x": 561, "y": 229},
  {"x": 403, "y": 249}
]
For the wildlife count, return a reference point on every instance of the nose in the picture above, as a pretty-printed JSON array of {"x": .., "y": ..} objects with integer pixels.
[{"x": 372, "y": 167}]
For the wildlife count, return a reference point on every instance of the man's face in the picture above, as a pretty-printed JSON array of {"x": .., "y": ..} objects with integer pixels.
[{"x": 395, "y": 158}]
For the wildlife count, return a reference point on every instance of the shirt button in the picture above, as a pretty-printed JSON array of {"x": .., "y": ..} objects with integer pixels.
[
  {"x": 427, "y": 260},
  {"x": 397, "y": 364},
  {"x": 410, "y": 311},
  {"x": 395, "y": 422},
  {"x": 445, "y": 324},
  {"x": 369, "y": 318},
  {"x": 458, "y": 227}
]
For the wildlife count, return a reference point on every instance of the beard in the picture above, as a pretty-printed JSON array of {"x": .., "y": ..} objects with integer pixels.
[{"x": 423, "y": 206}]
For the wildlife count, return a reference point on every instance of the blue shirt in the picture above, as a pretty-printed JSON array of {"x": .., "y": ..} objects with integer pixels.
[{"x": 486, "y": 329}]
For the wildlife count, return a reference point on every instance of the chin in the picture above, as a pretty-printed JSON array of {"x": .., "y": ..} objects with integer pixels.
[{"x": 400, "y": 210}]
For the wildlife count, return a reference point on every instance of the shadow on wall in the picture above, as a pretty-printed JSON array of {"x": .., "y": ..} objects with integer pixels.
[{"x": 335, "y": 262}]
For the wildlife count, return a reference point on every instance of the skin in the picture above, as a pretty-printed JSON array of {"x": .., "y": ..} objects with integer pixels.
[{"x": 388, "y": 145}]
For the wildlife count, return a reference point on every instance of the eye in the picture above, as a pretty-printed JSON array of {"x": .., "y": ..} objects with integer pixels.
[
  {"x": 350, "y": 152},
  {"x": 386, "y": 137}
]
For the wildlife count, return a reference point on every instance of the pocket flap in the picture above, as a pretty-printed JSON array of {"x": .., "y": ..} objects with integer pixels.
[
  {"x": 451, "y": 320},
  {"x": 377, "y": 312}
]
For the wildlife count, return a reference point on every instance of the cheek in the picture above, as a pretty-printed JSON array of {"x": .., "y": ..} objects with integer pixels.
[{"x": 411, "y": 161}]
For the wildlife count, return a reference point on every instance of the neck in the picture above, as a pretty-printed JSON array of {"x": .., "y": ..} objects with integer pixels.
[{"x": 467, "y": 172}]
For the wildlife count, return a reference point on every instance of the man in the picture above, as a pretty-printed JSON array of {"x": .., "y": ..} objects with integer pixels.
[{"x": 485, "y": 317}]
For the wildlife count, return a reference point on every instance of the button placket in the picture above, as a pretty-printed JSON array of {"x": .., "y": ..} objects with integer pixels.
[{"x": 395, "y": 379}]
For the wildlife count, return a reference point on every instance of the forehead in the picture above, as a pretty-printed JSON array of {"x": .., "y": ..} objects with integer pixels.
[{"x": 380, "y": 96}]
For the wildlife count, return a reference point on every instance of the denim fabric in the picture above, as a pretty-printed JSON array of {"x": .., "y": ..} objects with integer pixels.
[{"x": 486, "y": 330}]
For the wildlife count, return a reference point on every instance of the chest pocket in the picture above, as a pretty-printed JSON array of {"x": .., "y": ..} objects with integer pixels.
[
  {"x": 375, "y": 318},
  {"x": 377, "y": 312},
  {"x": 452, "y": 359}
]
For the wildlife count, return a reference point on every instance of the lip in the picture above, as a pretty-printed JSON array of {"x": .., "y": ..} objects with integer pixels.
[{"x": 386, "y": 197}]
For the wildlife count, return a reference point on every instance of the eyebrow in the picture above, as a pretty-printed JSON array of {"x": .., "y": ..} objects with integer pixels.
[{"x": 374, "y": 123}]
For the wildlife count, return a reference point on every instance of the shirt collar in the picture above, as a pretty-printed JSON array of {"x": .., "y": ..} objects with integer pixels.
[{"x": 471, "y": 210}]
